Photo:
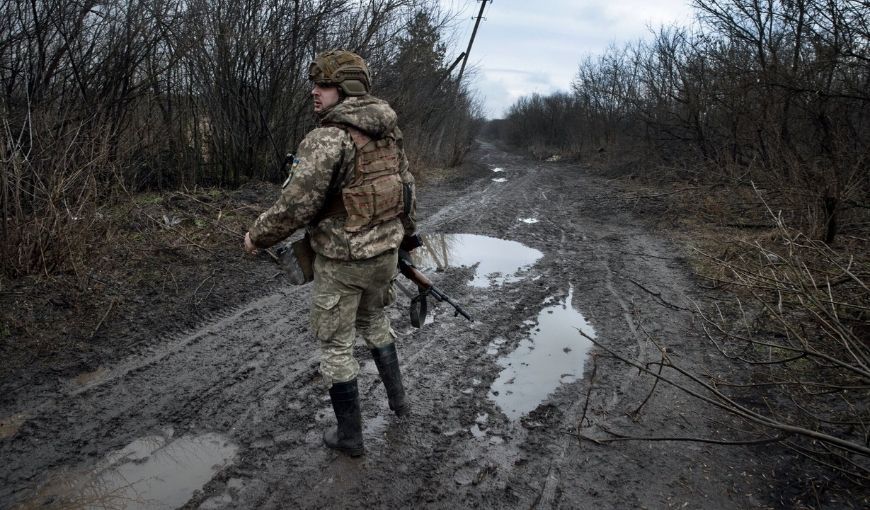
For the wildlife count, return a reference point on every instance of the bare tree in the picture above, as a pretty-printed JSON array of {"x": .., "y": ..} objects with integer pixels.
[{"x": 105, "y": 98}]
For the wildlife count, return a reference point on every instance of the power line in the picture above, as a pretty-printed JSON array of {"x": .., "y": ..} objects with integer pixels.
[{"x": 471, "y": 41}]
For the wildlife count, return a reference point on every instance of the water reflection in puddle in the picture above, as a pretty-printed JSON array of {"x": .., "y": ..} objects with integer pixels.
[
  {"x": 500, "y": 179},
  {"x": 498, "y": 169},
  {"x": 553, "y": 355},
  {"x": 499, "y": 259},
  {"x": 530, "y": 221},
  {"x": 150, "y": 472}
]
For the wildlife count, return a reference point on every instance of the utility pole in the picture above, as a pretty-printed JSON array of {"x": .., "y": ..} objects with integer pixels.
[{"x": 470, "y": 42}]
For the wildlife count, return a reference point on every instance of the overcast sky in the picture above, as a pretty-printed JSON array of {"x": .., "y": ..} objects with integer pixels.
[{"x": 527, "y": 46}]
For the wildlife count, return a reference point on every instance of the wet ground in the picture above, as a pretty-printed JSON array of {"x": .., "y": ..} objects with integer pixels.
[{"x": 230, "y": 414}]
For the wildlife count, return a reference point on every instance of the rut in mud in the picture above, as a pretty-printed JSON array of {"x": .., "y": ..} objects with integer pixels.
[{"x": 230, "y": 415}]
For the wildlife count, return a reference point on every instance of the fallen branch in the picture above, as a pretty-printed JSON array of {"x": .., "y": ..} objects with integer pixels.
[
  {"x": 725, "y": 403},
  {"x": 620, "y": 437},
  {"x": 636, "y": 413},
  {"x": 657, "y": 295}
]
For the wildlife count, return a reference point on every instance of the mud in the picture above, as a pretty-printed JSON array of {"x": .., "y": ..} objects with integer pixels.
[{"x": 244, "y": 385}]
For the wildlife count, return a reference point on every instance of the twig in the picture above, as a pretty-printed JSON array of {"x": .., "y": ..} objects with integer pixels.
[
  {"x": 791, "y": 383},
  {"x": 271, "y": 254},
  {"x": 816, "y": 457},
  {"x": 619, "y": 437},
  {"x": 107, "y": 284},
  {"x": 805, "y": 349},
  {"x": 656, "y": 195},
  {"x": 749, "y": 225},
  {"x": 111, "y": 304},
  {"x": 194, "y": 244},
  {"x": 193, "y": 296},
  {"x": 645, "y": 255},
  {"x": 588, "y": 391},
  {"x": 657, "y": 295},
  {"x": 725, "y": 403},
  {"x": 636, "y": 413},
  {"x": 582, "y": 436},
  {"x": 210, "y": 289},
  {"x": 191, "y": 197}
]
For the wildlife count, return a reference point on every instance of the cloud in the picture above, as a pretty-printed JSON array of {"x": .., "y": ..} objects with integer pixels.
[
  {"x": 501, "y": 87},
  {"x": 525, "y": 47},
  {"x": 537, "y": 77}
]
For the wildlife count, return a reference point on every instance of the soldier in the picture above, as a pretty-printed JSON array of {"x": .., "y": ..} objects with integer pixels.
[{"x": 350, "y": 188}]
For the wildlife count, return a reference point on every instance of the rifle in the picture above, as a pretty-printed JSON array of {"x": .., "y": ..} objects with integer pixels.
[{"x": 419, "y": 306}]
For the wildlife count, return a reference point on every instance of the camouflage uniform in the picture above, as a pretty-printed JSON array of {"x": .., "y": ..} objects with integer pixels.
[{"x": 353, "y": 271}]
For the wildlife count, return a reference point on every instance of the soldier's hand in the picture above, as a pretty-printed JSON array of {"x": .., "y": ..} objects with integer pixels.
[{"x": 249, "y": 245}]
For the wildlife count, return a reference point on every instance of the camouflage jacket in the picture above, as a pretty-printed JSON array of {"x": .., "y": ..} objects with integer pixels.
[{"x": 326, "y": 152}]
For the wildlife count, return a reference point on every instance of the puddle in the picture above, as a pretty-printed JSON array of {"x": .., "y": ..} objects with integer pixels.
[
  {"x": 375, "y": 426},
  {"x": 500, "y": 179},
  {"x": 498, "y": 169},
  {"x": 493, "y": 347},
  {"x": 150, "y": 472},
  {"x": 554, "y": 354},
  {"x": 477, "y": 432},
  {"x": 9, "y": 425},
  {"x": 499, "y": 260},
  {"x": 215, "y": 502},
  {"x": 530, "y": 221}
]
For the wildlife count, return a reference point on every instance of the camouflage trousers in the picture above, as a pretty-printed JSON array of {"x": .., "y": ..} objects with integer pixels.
[{"x": 351, "y": 296}]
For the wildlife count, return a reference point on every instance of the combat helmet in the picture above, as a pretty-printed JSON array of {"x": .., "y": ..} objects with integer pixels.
[{"x": 344, "y": 69}]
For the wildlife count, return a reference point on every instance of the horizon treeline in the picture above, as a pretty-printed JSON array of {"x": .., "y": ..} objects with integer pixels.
[
  {"x": 103, "y": 99},
  {"x": 777, "y": 92}
]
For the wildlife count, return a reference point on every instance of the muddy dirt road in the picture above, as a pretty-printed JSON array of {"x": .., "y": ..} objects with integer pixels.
[{"x": 230, "y": 415}]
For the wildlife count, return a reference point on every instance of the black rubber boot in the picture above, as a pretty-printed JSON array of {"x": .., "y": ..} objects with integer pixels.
[
  {"x": 347, "y": 436},
  {"x": 387, "y": 362}
]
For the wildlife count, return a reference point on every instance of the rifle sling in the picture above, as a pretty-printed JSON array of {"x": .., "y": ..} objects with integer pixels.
[{"x": 419, "y": 309}]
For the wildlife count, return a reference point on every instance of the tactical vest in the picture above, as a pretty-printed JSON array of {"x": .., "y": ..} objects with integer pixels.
[{"x": 375, "y": 193}]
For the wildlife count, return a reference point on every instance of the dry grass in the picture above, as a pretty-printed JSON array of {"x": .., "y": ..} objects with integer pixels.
[{"x": 177, "y": 250}]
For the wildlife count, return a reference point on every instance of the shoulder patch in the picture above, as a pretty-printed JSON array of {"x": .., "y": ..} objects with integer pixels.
[{"x": 293, "y": 167}]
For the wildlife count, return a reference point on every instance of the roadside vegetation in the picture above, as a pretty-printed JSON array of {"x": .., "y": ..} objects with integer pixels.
[
  {"x": 750, "y": 131},
  {"x": 101, "y": 101},
  {"x": 134, "y": 131}
]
